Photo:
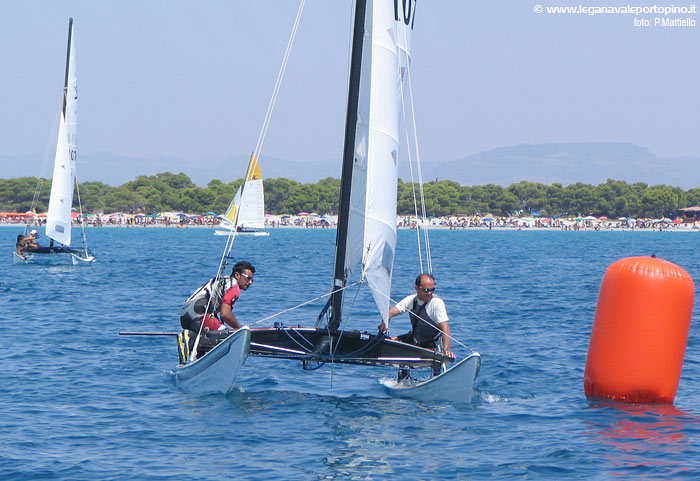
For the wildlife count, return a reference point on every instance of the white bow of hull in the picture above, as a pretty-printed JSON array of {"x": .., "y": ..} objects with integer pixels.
[
  {"x": 216, "y": 371},
  {"x": 456, "y": 384}
]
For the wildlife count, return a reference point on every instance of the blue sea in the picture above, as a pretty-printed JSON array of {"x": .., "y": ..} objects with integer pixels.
[{"x": 80, "y": 402}]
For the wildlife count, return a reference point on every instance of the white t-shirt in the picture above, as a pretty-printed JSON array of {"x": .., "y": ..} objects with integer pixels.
[{"x": 435, "y": 310}]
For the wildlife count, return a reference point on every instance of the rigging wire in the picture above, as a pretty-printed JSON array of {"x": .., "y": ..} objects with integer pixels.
[
  {"x": 420, "y": 217},
  {"x": 44, "y": 166},
  {"x": 332, "y": 350},
  {"x": 80, "y": 209},
  {"x": 263, "y": 130},
  {"x": 258, "y": 149},
  {"x": 413, "y": 182},
  {"x": 424, "y": 320},
  {"x": 429, "y": 259},
  {"x": 328, "y": 294},
  {"x": 280, "y": 75}
]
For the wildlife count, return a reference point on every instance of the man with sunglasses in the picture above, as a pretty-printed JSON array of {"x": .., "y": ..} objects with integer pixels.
[
  {"x": 429, "y": 321},
  {"x": 242, "y": 273},
  {"x": 241, "y": 278}
]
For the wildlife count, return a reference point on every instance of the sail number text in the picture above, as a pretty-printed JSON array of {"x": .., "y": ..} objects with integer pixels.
[{"x": 405, "y": 10}]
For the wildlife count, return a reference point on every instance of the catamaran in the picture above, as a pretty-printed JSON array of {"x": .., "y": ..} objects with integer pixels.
[
  {"x": 59, "y": 218},
  {"x": 366, "y": 235}
]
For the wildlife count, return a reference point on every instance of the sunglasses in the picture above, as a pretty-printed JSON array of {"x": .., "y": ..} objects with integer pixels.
[
  {"x": 247, "y": 278},
  {"x": 425, "y": 289}
]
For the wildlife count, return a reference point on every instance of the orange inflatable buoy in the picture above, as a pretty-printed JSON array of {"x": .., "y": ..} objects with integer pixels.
[{"x": 640, "y": 331}]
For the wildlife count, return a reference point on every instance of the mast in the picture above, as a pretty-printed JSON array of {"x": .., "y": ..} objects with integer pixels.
[
  {"x": 336, "y": 300},
  {"x": 65, "y": 83},
  {"x": 58, "y": 220}
]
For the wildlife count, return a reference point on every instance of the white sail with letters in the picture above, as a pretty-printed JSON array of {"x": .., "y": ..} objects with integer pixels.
[
  {"x": 372, "y": 219},
  {"x": 64, "y": 182},
  {"x": 58, "y": 221}
]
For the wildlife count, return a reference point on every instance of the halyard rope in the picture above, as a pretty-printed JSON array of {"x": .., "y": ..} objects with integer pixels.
[{"x": 258, "y": 149}]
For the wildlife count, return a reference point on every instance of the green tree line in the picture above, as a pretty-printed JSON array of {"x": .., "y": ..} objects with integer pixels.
[{"x": 167, "y": 192}]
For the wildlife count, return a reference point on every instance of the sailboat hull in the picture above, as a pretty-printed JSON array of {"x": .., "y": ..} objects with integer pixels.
[
  {"x": 455, "y": 385},
  {"x": 313, "y": 345},
  {"x": 215, "y": 371},
  {"x": 255, "y": 233},
  {"x": 18, "y": 259},
  {"x": 54, "y": 256}
]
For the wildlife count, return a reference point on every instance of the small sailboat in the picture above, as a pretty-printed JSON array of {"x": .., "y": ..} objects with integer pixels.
[
  {"x": 366, "y": 236},
  {"x": 59, "y": 218},
  {"x": 246, "y": 213}
]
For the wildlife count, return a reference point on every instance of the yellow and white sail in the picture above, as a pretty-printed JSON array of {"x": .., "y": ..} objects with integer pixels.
[{"x": 247, "y": 209}]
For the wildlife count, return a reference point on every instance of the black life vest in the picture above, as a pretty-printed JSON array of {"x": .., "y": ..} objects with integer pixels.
[
  {"x": 425, "y": 330},
  {"x": 211, "y": 295}
]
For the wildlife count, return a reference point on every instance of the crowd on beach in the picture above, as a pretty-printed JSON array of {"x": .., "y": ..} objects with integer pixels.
[{"x": 312, "y": 220}]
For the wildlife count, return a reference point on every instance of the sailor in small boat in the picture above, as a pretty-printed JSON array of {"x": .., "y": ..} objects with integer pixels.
[
  {"x": 429, "y": 320},
  {"x": 242, "y": 274},
  {"x": 26, "y": 242},
  {"x": 219, "y": 296}
]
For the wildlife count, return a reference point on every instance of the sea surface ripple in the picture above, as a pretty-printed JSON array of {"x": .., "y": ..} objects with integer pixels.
[{"x": 80, "y": 402}]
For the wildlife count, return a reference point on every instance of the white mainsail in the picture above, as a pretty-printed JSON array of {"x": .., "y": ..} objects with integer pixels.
[
  {"x": 58, "y": 221},
  {"x": 247, "y": 209},
  {"x": 372, "y": 217}
]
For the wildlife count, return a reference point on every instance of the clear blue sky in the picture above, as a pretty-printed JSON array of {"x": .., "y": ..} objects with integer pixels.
[{"x": 192, "y": 79}]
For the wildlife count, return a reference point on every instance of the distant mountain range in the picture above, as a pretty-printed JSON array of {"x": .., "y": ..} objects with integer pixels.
[{"x": 567, "y": 163}]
